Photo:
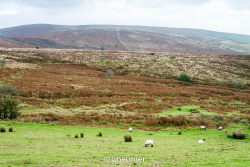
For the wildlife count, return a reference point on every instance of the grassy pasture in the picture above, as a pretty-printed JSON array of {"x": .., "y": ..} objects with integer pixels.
[
  {"x": 54, "y": 145},
  {"x": 185, "y": 110}
]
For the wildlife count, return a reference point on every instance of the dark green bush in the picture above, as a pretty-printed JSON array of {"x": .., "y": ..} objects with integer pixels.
[
  {"x": 10, "y": 129},
  {"x": 194, "y": 110},
  {"x": 2, "y": 129},
  {"x": 127, "y": 138},
  {"x": 8, "y": 90},
  {"x": 76, "y": 135},
  {"x": 184, "y": 78},
  {"x": 82, "y": 135},
  {"x": 239, "y": 84},
  {"x": 9, "y": 108},
  {"x": 99, "y": 134},
  {"x": 179, "y": 108}
]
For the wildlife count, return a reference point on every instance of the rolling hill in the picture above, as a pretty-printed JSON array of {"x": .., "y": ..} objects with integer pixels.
[{"x": 125, "y": 38}]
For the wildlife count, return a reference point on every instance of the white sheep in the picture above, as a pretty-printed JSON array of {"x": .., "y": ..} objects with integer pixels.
[
  {"x": 130, "y": 129},
  {"x": 201, "y": 141},
  {"x": 220, "y": 128},
  {"x": 203, "y": 127},
  {"x": 149, "y": 142}
]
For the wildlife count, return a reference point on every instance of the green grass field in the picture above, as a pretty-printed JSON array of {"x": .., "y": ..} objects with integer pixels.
[
  {"x": 184, "y": 110},
  {"x": 53, "y": 145}
]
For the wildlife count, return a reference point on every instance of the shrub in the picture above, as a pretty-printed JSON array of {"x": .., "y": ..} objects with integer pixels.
[
  {"x": 194, "y": 110},
  {"x": 179, "y": 133},
  {"x": 8, "y": 91},
  {"x": 150, "y": 133},
  {"x": 82, "y": 135},
  {"x": 217, "y": 118},
  {"x": 76, "y": 135},
  {"x": 238, "y": 134},
  {"x": 239, "y": 84},
  {"x": 2, "y": 129},
  {"x": 2, "y": 63},
  {"x": 127, "y": 138},
  {"x": 184, "y": 78},
  {"x": 152, "y": 54},
  {"x": 99, "y": 134},
  {"x": 10, "y": 129},
  {"x": 110, "y": 73},
  {"x": 9, "y": 108}
]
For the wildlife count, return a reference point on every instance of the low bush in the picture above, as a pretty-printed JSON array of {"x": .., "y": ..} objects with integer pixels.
[
  {"x": 9, "y": 91},
  {"x": 10, "y": 129},
  {"x": 81, "y": 135},
  {"x": 99, "y": 134},
  {"x": 76, "y": 135},
  {"x": 9, "y": 108},
  {"x": 184, "y": 78},
  {"x": 239, "y": 84},
  {"x": 127, "y": 138},
  {"x": 179, "y": 108},
  {"x": 194, "y": 110},
  {"x": 237, "y": 134},
  {"x": 2, "y": 129}
]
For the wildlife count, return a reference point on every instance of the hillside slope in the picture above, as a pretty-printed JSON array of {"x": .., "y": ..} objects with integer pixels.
[{"x": 134, "y": 38}]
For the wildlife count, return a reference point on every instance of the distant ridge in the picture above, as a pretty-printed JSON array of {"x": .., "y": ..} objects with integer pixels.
[{"x": 122, "y": 37}]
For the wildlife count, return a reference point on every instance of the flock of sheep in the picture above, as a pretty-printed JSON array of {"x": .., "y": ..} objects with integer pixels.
[{"x": 150, "y": 142}]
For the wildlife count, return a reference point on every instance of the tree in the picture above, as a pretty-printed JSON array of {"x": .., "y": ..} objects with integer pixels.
[{"x": 9, "y": 108}]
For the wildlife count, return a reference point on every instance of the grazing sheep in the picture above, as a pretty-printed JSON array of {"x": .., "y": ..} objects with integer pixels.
[
  {"x": 149, "y": 142},
  {"x": 220, "y": 128},
  {"x": 201, "y": 141},
  {"x": 203, "y": 127},
  {"x": 130, "y": 129}
]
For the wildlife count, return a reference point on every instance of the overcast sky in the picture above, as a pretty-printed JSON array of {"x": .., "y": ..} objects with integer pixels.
[{"x": 219, "y": 15}]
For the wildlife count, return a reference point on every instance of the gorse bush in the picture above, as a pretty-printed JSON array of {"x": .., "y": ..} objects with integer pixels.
[
  {"x": 127, "y": 138},
  {"x": 82, "y": 135},
  {"x": 10, "y": 129},
  {"x": 184, "y": 78},
  {"x": 237, "y": 134},
  {"x": 2, "y": 129},
  {"x": 9, "y": 108},
  {"x": 99, "y": 134},
  {"x": 239, "y": 84},
  {"x": 8, "y": 90}
]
